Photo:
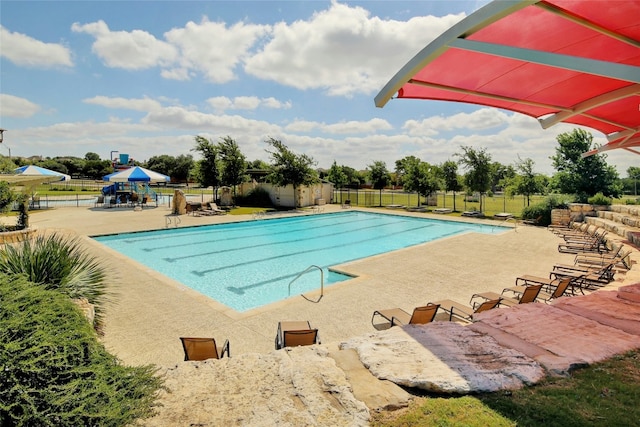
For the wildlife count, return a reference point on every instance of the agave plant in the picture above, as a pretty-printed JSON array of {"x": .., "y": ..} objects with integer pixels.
[{"x": 58, "y": 262}]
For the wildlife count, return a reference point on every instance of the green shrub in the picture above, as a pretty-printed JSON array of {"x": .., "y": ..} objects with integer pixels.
[
  {"x": 258, "y": 197},
  {"x": 632, "y": 202},
  {"x": 541, "y": 212},
  {"x": 54, "y": 372},
  {"x": 599, "y": 199},
  {"x": 23, "y": 211},
  {"x": 58, "y": 262},
  {"x": 7, "y": 196}
]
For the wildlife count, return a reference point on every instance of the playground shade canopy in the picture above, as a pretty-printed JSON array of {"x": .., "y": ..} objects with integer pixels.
[
  {"x": 43, "y": 173},
  {"x": 571, "y": 61},
  {"x": 136, "y": 174}
]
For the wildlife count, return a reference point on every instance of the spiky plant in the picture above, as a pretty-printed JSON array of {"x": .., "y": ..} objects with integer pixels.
[{"x": 60, "y": 263}]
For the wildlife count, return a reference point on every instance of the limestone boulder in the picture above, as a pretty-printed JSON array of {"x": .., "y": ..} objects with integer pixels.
[
  {"x": 444, "y": 357},
  {"x": 291, "y": 387}
]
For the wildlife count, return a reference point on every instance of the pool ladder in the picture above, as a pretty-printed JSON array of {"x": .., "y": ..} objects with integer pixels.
[
  {"x": 168, "y": 221},
  {"x": 311, "y": 267},
  {"x": 515, "y": 223}
]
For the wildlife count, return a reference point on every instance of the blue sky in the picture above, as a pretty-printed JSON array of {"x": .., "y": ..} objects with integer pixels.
[{"x": 145, "y": 77}]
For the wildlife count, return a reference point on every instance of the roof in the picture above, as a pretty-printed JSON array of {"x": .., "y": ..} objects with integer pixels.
[
  {"x": 14, "y": 179},
  {"x": 571, "y": 61}
]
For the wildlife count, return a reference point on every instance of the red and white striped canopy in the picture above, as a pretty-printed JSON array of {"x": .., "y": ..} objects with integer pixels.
[{"x": 571, "y": 61}]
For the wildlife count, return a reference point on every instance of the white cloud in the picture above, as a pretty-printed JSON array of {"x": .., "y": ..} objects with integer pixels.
[
  {"x": 246, "y": 102},
  {"x": 343, "y": 49},
  {"x": 482, "y": 119},
  {"x": 13, "y": 106},
  {"x": 144, "y": 104},
  {"x": 208, "y": 48},
  {"x": 212, "y": 49},
  {"x": 276, "y": 104},
  {"x": 223, "y": 103},
  {"x": 26, "y": 51},
  {"x": 181, "y": 118},
  {"x": 220, "y": 103},
  {"x": 135, "y": 50},
  {"x": 180, "y": 74},
  {"x": 347, "y": 127}
]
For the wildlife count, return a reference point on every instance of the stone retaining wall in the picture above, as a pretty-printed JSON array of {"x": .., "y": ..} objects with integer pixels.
[
  {"x": 622, "y": 220},
  {"x": 8, "y": 237}
]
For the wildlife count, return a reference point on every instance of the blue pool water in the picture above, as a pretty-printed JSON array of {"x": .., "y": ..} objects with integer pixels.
[{"x": 250, "y": 264}]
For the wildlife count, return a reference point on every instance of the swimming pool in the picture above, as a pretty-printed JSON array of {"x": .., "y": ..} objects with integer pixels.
[{"x": 249, "y": 264}]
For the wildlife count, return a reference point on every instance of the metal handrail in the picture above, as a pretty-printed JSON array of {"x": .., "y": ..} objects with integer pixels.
[
  {"x": 321, "y": 282},
  {"x": 168, "y": 222}
]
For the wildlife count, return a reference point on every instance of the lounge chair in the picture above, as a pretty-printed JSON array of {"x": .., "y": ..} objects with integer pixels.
[
  {"x": 296, "y": 333},
  {"x": 621, "y": 257},
  {"x": 213, "y": 208},
  {"x": 561, "y": 228},
  {"x": 536, "y": 221},
  {"x": 346, "y": 204},
  {"x": 587, "y": 279},
  {"x": 597, "y": 245},
  {"x": 464, "y": 312},
  {"x": 581, "y": 229},
  {"x": 550, "y": 293},
  {"x": 99, "y": 201},
  {"x": 598, "y": 234},
  {"x": 397, "y": 316},
  {"x": 529, "y": 294},
  {"x": 203, "y": 348}
]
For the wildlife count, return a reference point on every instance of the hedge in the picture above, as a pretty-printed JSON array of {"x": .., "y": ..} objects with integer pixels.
[{"x": 54, "y": 371}]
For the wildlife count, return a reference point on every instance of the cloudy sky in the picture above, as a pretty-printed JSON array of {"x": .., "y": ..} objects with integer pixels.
[{"x": 145, "y": 77}]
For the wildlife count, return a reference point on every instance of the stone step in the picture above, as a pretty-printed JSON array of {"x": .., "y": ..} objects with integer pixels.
[
  {"x": 631, "y": 234},
  {"x": 376, "y": 394}
]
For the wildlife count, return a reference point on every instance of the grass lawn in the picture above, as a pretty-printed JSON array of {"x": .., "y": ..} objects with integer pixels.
[{"x": 603, "y": 394}]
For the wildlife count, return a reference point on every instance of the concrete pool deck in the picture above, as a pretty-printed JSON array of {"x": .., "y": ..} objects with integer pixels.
[
  {"x": 357, "y": 369},
  {"x": 150, "y": 311}
]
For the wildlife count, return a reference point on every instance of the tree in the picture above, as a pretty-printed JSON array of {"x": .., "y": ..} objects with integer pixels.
[
  {"x": 582, "y": 176},
  {"x": 258, "y": 164},
  {"x": 209, "y": 170},
  {"x": 91, "y": 156},
  {"x": 450, "y": 176},
  {"x": 163, "y": 164},
  {"x": 499, "y": 174},
  {"x": 290, "y": 168},
  {"x": 7, "y": 196},
  {"x": 74, "y": 165},
  {"x": 336, "y": 176},
  {"x": 233, "y": 163},
  {"x": 178, "y": 168},
  {"x": 6, "y": 165},
  {"x": 354, "y": 178},
  {"x": 633, "y": 172},
  {"x": 96, "y": 169},
  {"x": 422, "y": 178},
  {"x": 53, "y": 165},
  {"x": 478, "y": 166},
  {"x": 379, "y": 176},
  {"x": 527, "y": 182},
  {"x": 402, "y": 167},
  {"x": 182, "y": 169}
]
